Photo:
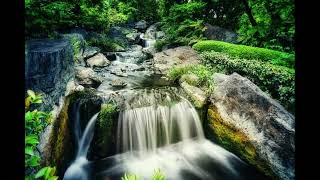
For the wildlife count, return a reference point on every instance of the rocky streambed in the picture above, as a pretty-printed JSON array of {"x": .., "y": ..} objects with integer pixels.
[{"x": 237, "y": 115}]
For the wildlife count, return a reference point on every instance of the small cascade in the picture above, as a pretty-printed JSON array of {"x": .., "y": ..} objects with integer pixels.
[
  {"x": 78, "y": 169},
  {"x": 150, "y": 127}
]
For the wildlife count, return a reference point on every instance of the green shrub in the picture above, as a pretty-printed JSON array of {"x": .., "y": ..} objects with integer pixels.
[
  {"x": 106, "y": 44},
  {"x": 278, "y": 81},
  {"x": 35, "y": 122},
  {"x": 202, "y": 72},
  {"x": 247, "y": 52}
]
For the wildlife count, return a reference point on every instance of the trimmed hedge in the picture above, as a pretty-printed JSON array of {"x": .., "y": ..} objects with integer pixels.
[
  {"x": 278, "y": 81},
  {"x": 247, "y": 52}
]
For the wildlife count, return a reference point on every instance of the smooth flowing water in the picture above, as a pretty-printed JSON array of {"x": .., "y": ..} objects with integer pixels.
[{"x": 159, "y": 129}]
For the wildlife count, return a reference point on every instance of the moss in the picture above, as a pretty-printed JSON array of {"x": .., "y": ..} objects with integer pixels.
[
  {"x": 105, "y": 134},
  {"x": 235, "y": 141},
  {"x": 247, "y": 52}
]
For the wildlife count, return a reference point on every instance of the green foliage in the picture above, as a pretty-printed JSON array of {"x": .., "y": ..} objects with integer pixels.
[
  {"x": 105, "y": 43},
  {"x": 202, "y": 72},
  {"x": 157, "y": 175},
  {"x": 107, "y": 114},
  {"x": 275, "y": 27},
  {"x": 247, "y": 52},
  {"x": 35, "y": 122},
  {"x": 278, "y": 81},
  {"x": 184, "y": 24}
]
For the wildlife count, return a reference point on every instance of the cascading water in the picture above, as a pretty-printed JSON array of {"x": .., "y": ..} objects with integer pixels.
[
  {"x": 78, "y": 169},
  {"x": 159, "y": 129}
]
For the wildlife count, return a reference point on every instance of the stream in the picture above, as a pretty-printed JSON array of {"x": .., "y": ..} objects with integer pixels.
[{"x": 157, "y": 129}]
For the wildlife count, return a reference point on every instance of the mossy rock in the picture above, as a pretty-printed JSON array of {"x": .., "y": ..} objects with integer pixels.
[
  {"x": 104, "y": 140},
  {"x": 62, "y": 146},
  {"x": 235, "y": 141}
]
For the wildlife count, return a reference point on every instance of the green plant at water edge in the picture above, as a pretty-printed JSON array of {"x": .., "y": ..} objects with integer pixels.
[
  {"x": 247, "y": 52},
  {"x": 106, "y": 44},
  {"x": 35, "y": 122},
  {"x": 157, "y": 175},
  {"x": 130, "y": 177}
]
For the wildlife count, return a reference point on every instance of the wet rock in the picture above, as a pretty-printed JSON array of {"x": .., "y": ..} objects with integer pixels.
[
  {"x": 98, "y": 60},
  {"x": 87, "y": 77},
  {"x": 169, "y": 58},
  {"x": 111, "y": 56},
  {"x": 90, "y": 51},
  {"x": 118, "y": 83},
  {"x": 197, "y": 96},
  {"x": 133, "y": 37},
  {"x": 249, "y": 123},
  {"x": 160, "y": 35},
  {"x": 141, "y": 25}
]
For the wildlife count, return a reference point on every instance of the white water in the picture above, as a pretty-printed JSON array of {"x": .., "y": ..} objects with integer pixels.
[
  {"x": 153, "y": 134},
  {"x": 77, "y": 170},
  {"x": 159, "y": 129}
]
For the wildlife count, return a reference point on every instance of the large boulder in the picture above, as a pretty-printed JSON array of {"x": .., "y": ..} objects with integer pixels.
[
  {"x": 98, "y": 60},
  {"x": 87, "y": 77},
  {"x": 246, "y": 121},
  {"x": 169, "y": 58},
  {"x": 49, "y": 66},
  {"x": 220, "y": 34}
]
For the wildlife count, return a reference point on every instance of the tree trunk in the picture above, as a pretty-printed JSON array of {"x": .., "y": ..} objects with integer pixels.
[{"x": 249, "y": 12}]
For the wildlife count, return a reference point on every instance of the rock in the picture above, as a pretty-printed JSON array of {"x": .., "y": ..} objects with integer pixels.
[
  {"x": 104, "y": 139},
  {"x": 90, "y": 51},
  {"x": 78, "y": 44},
  {"x": 49, "y": 66},
  {"x": 220, "y": 34},
  {"x": 98, "y": 60},
  {"x": 133, "y": 37},
  {"x": 118, "y": 72},
  {"x": 151, "y": 31},
  {"x": 160, "y": 35},
  {"x": 111, "y": 56},
  {"x": 81, "y": 31},
  {"x": 247, "y": 122},
  {"x": 118, "y": 83},
  {"x": 169, "y": 58},
  {"x": 87, "y": 77},
  {"x": 197, "y": 96},
  {"x": 119, "y": 48},
  {"x": 141, "y": 25}
]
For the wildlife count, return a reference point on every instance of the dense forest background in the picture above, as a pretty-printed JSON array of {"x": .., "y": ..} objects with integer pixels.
[{"x": 268, "y": 24}]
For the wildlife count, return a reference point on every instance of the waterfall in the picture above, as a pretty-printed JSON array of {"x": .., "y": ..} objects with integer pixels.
[
  {"x": 77, "y": 170},
  {"x": 148, "y": 128}
]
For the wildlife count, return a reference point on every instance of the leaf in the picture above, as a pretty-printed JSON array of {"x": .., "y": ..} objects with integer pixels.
[
  {"x": 53, "y": 178},
  {"x": 33, "y": 161},
  {"x": 28, "y": 116},
  {"x": 28, "y": 150},
  {"x": 31, "y": 139},
  {"x": 31, "y": 94},
  {"x": 41, "y": 172}
]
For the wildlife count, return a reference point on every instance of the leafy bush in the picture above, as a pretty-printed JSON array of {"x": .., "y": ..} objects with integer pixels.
[
  {"x": 105, "y": 43},
  {"x": 247, "y": 52},
  {"x": 35, "y": 122},
  {"x": 184, "y": 23},
  {"x": 278, "y": 81},
  {"x": 202, "y": 72}
]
